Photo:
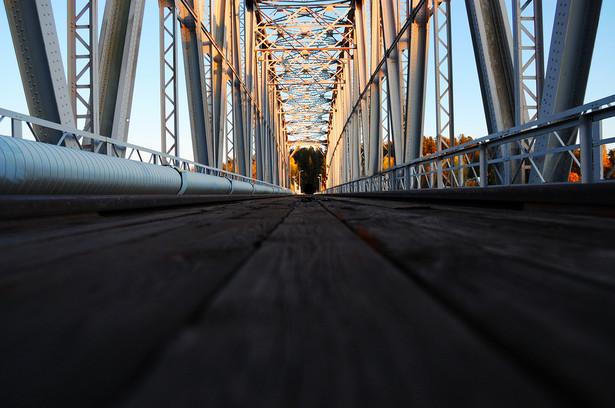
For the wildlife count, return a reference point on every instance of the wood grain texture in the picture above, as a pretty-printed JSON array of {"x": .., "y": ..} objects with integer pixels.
[
  {"x": 83, "y": 312},
  {"x": 317, "y": 318},
  {"x": 299, "y": 302},
  {"x": 540, "y": 286}
]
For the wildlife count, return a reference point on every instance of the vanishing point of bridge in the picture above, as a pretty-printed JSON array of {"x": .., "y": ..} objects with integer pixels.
[{"x": 428, "y": 272}]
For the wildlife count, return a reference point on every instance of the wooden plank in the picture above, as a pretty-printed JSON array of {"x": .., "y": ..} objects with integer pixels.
[
  {"x": 538, "y": 285},
  {"x": 25, "y": 206},
  {"x": 91, "y": 310},
  {"x": 112, "y": 229},
  {"x": 317, "y": 318},
  {"x": 594, "y": 195}
]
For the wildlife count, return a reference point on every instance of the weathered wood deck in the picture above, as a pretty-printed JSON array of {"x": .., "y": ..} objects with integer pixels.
[{"x": 306, "y": 302}]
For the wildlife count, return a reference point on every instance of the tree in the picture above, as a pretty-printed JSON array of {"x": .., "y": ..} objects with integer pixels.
[
  {"x": 229, "y": 166},
  {"x": 388, "y": 162},
  {"x": 311, "y": 166},
  {"x": 429, "y": 145},
  {"x": 608, "y": 163},
  {"x": 388, "y": 149}
]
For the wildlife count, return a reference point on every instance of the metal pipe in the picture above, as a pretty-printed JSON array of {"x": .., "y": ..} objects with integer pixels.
[{"x": 28, "y": 167}]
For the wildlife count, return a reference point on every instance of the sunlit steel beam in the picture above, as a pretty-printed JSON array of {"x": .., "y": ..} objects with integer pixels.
[
  {"x": 38, "y": 54},
  {"x": 119, "y": 48}
]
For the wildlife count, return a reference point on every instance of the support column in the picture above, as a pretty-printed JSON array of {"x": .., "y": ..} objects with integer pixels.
[
  {"x": 417, "y": 80},
  {"x": 528, "y": 58},
  {"x": 374, "y": 162},
  {"x": 528, "y": 53},
  {"x": 250, "y": 24},
  {"x": 445, "y": 125},
  {"x": 492, "y": 40},
  {"x": 361, "y": 64},
  {"x": 570, "y": 55},
  {"x": 220, "y": 22},
  {"x": 38, "y": 54},
  {"x": 83, "y": 66},
  {"x": 390, "y": 30},
  {"x": 119, "y": 48},
  {"x": 169, "y": 121},
  {"x": 198, "y": 109},
  {"x": 240, "y": 144}
]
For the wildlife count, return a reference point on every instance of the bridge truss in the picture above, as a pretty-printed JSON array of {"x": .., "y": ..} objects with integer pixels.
[
  {"x": 347, "y": 77},
  {"x": 522, "y": 105}
]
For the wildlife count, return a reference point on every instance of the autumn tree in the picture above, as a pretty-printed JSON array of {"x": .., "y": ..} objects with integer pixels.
[{"x": 608, "y": 164}]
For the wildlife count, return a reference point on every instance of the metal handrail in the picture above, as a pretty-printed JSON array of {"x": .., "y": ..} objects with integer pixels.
[
  {"x": 407, "y": 176},
  {"x": 114, "y": 145}
]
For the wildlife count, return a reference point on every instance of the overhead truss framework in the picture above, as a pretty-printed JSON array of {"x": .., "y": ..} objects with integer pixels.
[{"x": 305, "y": 46}]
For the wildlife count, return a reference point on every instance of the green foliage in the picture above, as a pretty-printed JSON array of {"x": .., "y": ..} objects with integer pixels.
[{"x": 311, "y": 164}]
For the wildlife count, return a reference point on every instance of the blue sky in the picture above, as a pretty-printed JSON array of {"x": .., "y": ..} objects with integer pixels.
[{"x": 469, "y": 115}]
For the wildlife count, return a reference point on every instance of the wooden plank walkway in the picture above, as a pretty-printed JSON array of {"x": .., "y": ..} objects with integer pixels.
[{"x": 307, "y": 302}]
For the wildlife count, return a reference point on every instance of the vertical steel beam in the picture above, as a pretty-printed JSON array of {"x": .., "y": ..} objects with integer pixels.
[
  {"x": 260, "y": 89},
  {"x": 390, "y": 31},
  {"x": 277, "y": 149},
  {"x": 444, "y": 75},
  {"x": 374, "y": 161},
  {"x": 356, "y": 126},
  {"x": 265, "y": 100},
  {"x": 83, "y": 63},
  {"x": 119, "y": 48},
  {"x": 570, "y": 54},
  {"x": 586, "y": 149},
  {"x": 198, "y": 109},
  {"x": 443, "y": 82},
  {"x": 220, "y": 23},
  {"x": 16, "y": 128},
  {"x": 417, "y": 80},
  {"x": 240, "y": 142},
  {"x": 491, "y": 38},
  {"x": 528, "y": 59},
  {"x": 361, "y": 65},
  {"x": 169, "y": 115},
  {"x": 250, "y": 57},
  {"x": 269, "y": 102},
  {"x": 482, "y": 165},
  {"x": 349, "y": 80},
  {"x": 37, "y": 49}
]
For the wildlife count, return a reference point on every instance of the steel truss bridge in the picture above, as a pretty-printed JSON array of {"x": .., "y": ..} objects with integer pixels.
[
  {"x": 475, "y": 275},
  {"x": 263, "y": 77}
]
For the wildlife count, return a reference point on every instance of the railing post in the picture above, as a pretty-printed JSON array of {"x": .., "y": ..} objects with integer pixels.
[
  {"x": 439, "y": 168},
  {"x": 597, "y": 137},
  {"x": 408, "y": 179},
  {"x": 506, "y": 165},
  {"x": 586, "y": 150},
  {"x": 482, "y": 155},
  {"x": 461, "y": 181},
  {"x": 16, "y": 128},
  {"x": 393, "y": 186}
]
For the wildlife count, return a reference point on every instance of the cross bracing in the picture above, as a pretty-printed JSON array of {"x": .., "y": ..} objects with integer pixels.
[
  {"x": 348, "y": 76},
  {"x": 309, "y": 43}
]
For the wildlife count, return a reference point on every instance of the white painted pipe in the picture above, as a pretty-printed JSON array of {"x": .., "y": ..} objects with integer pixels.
[{"x": 28, "y": 167}]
